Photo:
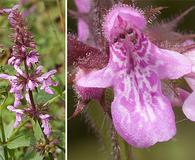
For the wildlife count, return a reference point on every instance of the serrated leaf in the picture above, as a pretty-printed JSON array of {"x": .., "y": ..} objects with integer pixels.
[
  {"x": 41, "y": 97},
  {"x": 37, "y": 130},
  {"x": 21, "y": 141}
]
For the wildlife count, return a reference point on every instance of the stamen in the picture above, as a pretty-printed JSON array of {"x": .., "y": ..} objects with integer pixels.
[{"x": 122, "y": 36}]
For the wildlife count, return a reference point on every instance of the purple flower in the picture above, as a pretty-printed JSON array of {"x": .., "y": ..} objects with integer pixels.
[
  {"x": 19, "y": 114},
  {"x": 141, "y": 114},
  {"x": 46, "y": 81},
  {"x": 45, "y": 124},
  {"x": 17, "y": 83}
]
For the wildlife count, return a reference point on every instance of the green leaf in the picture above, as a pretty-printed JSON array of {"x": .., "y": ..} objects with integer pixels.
[
  {"x": 1, "y": 154},
  {"x": 125, "y": 149},
  {"x": 102, "y": 125},
  {"x": 1, "y": 157},
  {"x": 8, "y": 129},
  {"x": 41, "y": 97},
  {"x": 37, "y": 157},
  {"x": 7, "y": 69},
  {"x": 32, "y": 154},
  {"x": 57, "y": 89},
  {"x": 21, "y": 141},
  {"x": 37, "y": 130}
]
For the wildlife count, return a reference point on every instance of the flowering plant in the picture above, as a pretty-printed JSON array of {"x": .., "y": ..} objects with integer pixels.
[
  {"x": 33, "y": 90},
  {"x": 137, "y": 61}
]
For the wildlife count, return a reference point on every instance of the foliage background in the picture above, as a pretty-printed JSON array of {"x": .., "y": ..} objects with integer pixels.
[
  {"x": 84, "y": 143},
  {"x": 47, "y": 27}
]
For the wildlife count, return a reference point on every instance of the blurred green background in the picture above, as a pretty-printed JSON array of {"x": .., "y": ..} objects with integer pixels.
[
  {"x": 45, "y": 19},
  {"x": 84, "y": 143}
]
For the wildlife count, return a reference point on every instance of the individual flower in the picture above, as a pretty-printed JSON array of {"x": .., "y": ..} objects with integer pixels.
[
  {"x": 45, "y": 124},
  {"x": 19, "y": 115},
  {"x": 141, "y": 114},
  {"x": 84, "y": 7},
  {"x": 46, "y": 81}
]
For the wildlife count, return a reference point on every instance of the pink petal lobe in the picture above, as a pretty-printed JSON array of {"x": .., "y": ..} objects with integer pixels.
[
  {"x": 141, "y": 114},
  {"x": 189, "y": 107},
  {"x": 95, "y": 79},
  {"x": 171, "y": 64},
  {"x": 191, "y": 82}
]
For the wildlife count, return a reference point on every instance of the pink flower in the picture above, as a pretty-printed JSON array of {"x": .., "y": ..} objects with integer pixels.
[
  {"x": 141, "y": 114},
  {"x": 17, "y": 84},
  {"x": 19, "y": 114},
  {"x": 46, "y": 81},
  {"x": 45, "y": 124}
]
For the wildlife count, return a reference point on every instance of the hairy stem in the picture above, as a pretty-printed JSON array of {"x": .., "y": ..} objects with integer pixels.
[
  {"x": 128, "y": 150},
  {"x": 116, "y": 147}
]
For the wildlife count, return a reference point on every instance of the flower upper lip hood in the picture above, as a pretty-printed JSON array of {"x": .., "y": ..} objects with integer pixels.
[
  {"x": 141, "y": 114},
  {"x": 133, "y": 17}
]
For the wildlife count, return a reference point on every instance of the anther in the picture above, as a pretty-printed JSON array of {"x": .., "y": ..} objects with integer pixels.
[
  {"x": 122, "y": 36},
  {"x": 130, "y": 31}
]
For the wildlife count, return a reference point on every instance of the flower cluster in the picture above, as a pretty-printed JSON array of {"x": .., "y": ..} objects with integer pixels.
[
  {"x": 25, "y": 60},
  {"x": 141, "y": 113}
]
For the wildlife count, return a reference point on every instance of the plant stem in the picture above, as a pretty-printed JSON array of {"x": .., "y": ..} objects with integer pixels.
[
  {"x": 3, "y": 137},
  {"x": 30, "y": 92},
  {"x": 128, "y": 150},
  {"x": 116, "y": 147},
  {"x": 33, "y": 103}
]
